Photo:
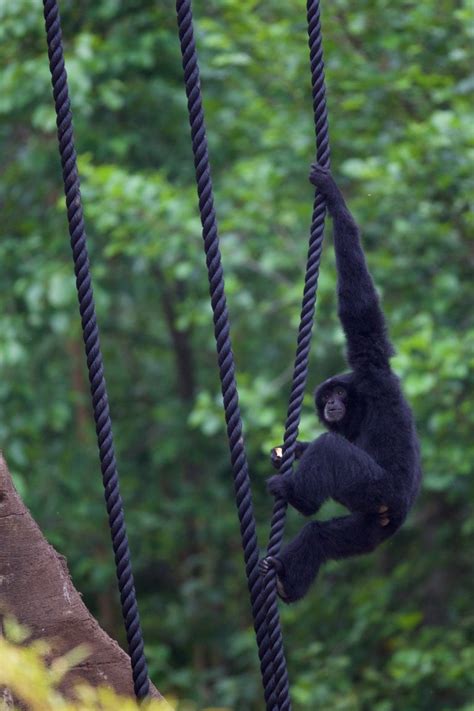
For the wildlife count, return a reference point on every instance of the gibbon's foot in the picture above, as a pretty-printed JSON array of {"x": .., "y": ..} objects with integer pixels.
[
  {"x": 265, "y": 565},
  {"x": 276, "y": 456},
  {"x": 383, "y": 514},
  {"x": 281, "y": 592}
]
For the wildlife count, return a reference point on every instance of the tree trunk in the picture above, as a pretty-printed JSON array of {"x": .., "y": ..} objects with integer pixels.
[{"x": 36, "y": 589}]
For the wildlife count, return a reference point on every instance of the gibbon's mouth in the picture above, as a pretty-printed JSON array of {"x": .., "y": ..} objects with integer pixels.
[{"x": 334, "y": 413}]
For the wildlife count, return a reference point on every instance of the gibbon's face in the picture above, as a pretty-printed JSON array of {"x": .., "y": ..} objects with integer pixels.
[
  {"x": 334, "y": 402},
  {"x": 339, "y": 405}
]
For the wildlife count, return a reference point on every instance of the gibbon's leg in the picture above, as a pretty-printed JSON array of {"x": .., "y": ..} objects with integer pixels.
[{"x": 319, "y": 541}]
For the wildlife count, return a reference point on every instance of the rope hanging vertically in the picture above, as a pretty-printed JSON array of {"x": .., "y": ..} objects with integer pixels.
[
  {"x": 223, "y": 343},
  {"x": 303, "y": 346},
  {"x": 92, "y": 348},
  {"x": 269, "y": 638}
]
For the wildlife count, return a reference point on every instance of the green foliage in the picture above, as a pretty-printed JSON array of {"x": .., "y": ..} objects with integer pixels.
[
  {"x": 33, "y": 681},
  {"x": 391, "y": 631}
]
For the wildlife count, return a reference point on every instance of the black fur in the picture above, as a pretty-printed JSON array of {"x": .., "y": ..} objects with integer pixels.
[{"x": 370, "y": 458}]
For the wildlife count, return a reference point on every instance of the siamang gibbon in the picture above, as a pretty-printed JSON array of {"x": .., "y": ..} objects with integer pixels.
[{"x": 369, "y": 459}]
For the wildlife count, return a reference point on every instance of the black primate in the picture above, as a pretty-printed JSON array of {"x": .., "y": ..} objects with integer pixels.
[{"x": 369, "y": 460}]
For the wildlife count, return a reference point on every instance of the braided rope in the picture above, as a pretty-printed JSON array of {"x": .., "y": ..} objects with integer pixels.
[
  {"x": 223, "y": 343},
  {"x": 303, "y": 348},
  {"x": 92, "y": 348},
  {"x": 269, "y": 637}
]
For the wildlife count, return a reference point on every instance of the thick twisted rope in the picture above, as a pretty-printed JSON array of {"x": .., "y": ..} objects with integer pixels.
[
  {"x": 303, "y": 348},
  {"x": 92, "y": 348},
  {"x": 223, "y": 343}
]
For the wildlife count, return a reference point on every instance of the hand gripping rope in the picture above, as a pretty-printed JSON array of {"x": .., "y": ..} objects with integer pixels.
[
  {"x": 263, "y": 598},
  {"x": 92, "y": 347}
]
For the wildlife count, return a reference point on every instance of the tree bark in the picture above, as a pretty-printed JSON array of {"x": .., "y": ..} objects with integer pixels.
[{"x": 36, "y": 589}]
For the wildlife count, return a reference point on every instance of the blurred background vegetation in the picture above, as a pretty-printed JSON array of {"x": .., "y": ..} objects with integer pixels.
[
  {"x": 391, "y": 631},
  {"x": 31, "y": 678}
]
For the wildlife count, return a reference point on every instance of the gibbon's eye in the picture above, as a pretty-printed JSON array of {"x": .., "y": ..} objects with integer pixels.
[{"x": 340, "y": 392}]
